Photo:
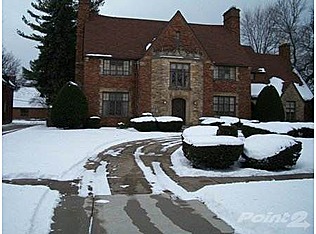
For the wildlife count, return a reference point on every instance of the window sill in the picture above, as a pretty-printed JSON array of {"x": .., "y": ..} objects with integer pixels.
[{"x": 179, "y": 88}]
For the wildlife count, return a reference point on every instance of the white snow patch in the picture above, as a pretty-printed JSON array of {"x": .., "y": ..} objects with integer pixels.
[
  {"x": 165, "y": 119},
  {"x": 143, "y": 119},
  {"x": 201, "y": 141},
  {"x": 99, "y": 55},
  {"x": 263, "y": 207},
  {"x": 303, "y": 89},
  {"x": 27, "y": 209},
  {"x": 268, "y": 145}
]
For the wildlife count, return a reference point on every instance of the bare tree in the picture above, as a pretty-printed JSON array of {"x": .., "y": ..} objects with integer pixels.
[
  {"x": 10, "y": 64},
  {"x": 287, "y": 17},
  {"x": 266, "y": 27},
  {"x": 257, "y": 29}
]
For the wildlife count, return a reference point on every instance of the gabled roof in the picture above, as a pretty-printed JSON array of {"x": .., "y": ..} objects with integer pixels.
[{"x": 127, "y": 38}]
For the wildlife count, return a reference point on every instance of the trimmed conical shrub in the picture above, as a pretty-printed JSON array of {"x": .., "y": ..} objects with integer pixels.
[
  {"x": 269, "y": 105},
  {"x": 70, "y": 109}
]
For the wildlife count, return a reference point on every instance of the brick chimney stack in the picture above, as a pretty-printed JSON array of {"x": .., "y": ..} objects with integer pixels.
[
  {"x": 232, "y": 22},
  {"x": 285, "y": 52},
  {"x": 82, "y": 17}
]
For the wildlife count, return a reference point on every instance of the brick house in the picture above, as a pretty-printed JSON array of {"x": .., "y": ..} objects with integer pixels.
[
  {"x": 7, "y": 98},
  {"x": 28, "y": 104},
  {"x": 130, "y": 66}
]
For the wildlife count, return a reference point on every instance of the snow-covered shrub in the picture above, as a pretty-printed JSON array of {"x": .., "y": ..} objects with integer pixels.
[
  {"x": 227, "y": 130},
  {"x": 144, "y": 124},
  {"x": 271, "y": 152},
  {"x": 206, "y": 150},
  {"x": 122, "y": 125},
  {"x": 249, "y": 131},
  {"x": 169, "y": 123},
  {"x": 162, "y": 123},
  {"x": 70, "y": 108},
  {"x": 93, "y": 122},
  {"x": 302, "y": 132}
]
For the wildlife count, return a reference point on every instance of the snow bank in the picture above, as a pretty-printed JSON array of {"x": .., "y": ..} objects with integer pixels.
[
  {"x": 263, "y": 146},
  {"x": 263, "y": 207},
  {"x": 27, "y": 209}
]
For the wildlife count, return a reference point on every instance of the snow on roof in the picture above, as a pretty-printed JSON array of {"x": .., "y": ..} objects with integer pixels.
[
  {"x": 28, "y": 97},
  {"x": 99, "y": 55},
  {"x": 256, "y": 89},
  {"x": 303, "y": 90},
  {"x": 256, "y": 146},
  {"x": 277, "y": 82}
]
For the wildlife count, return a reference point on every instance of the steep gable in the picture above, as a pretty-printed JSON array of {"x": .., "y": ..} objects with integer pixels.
[{"x": 178, "y": 36}]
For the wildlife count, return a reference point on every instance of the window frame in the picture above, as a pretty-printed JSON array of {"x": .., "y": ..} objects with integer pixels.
[
  {"x": 290, "y": 110},
  {"x": 180, "y": 75},
  {"x": 115, "y": 104},
  {"x": 224, "y": 105},
  {"x": 116, "y": 67},
  {"x": 222, "y": 73}
]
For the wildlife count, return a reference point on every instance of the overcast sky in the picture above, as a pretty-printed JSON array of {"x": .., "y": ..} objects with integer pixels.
[{"x": 195, "y": 11}]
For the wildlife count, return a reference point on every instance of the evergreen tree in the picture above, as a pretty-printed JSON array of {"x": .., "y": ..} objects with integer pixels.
[
  {"x": 54, "y": 23},
  {"x": 269, "y": 105},
  {"x": 70, "y": 108}
]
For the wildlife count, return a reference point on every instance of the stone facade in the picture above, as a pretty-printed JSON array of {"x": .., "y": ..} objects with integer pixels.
[{"x": 291, "y": 95}]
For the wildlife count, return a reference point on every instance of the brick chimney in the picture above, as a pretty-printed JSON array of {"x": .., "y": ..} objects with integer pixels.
[
  {"x": 285, "y": 52},
  {"x": 232, "y": 22},
  {"x": 82, "y": 17}
]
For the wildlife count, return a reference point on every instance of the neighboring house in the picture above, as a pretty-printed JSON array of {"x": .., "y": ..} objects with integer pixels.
[
  {"x": 27, "y": 104},
  {"x": 7, "y": 99},
  {"x": 130, "y": 66},
  {"x": 297, "y": 99}
]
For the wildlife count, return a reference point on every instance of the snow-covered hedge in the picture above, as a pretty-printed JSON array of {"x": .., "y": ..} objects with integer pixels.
[
  {"x": 162, "y": 123},
  {"x": 206, "y": 150},
  {"x": 271, "y": 152}
]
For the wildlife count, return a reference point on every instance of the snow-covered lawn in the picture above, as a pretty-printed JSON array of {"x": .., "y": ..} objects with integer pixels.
[
  {"x": 27, "y": 209},
  {"x": 41, "y": 152}
]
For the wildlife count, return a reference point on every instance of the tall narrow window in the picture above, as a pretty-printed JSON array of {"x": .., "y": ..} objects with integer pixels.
[
  {"x": 225, "y": 73},
  {"x": 290, "y": 111},
  {"x": 179, "y": 75},
  {"x": 116, "y": 67},
  {"x": 224, "y": 105},
  {"x": 115, "y": 104}
]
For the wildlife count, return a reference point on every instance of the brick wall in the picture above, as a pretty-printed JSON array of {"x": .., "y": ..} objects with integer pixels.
[
  {"x": 291, "y": 94},
  {"x": 95, "y": 83}
]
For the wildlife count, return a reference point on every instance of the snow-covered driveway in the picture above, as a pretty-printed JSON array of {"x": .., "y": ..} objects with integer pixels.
[{"x": 47, "y": 153}]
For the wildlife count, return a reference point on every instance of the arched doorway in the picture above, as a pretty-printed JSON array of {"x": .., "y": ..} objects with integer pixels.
[{"x": 178, "y": 108}]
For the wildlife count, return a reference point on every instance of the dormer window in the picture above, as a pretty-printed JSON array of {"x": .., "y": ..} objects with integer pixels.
[{"x": 225, "y": 73}]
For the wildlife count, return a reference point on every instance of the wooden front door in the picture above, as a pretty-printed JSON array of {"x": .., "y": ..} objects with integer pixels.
[{"x": 178, "y": 108}]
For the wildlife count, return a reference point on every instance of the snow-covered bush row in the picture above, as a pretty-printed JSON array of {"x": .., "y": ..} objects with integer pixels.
[
  {"x": 271, "y": 152},
  {"x": 205, "y": 149},
  {"x": 252, "y": 127},
  {"x": 161, "y": 123}
]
